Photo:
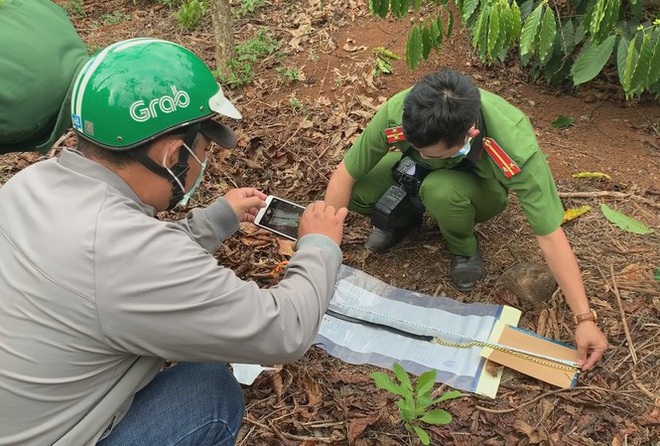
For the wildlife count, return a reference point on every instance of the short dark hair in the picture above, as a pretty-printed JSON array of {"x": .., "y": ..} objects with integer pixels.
[
  {"x": 442, "y": 106},
  {"x": 122, "y": 158},
  {"x": 113, "y": 157}
]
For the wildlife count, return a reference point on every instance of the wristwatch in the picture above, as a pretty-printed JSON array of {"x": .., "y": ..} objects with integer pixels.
[{"x": 590, "y": 316}]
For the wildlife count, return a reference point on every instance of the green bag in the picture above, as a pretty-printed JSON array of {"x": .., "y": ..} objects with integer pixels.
[{"x": 40, "y": 54}]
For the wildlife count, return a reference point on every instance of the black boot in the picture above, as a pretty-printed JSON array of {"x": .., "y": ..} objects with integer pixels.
[
  {"x": 466, "y": 271},
  {"x": 380, "y": 240}
]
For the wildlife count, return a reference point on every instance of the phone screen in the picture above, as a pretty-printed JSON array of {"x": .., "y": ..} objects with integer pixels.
[{"x": 282, "y": 217}]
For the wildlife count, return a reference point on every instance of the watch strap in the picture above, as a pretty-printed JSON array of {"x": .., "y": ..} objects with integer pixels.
[{"x": 590, "y": 316}]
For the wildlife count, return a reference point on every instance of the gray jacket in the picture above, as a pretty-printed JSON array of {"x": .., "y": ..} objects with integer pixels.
[{"x": 95, "y": 292}]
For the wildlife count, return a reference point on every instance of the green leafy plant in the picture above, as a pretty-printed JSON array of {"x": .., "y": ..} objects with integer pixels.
[
  {"x": 247, "y": 6},
  {"x": 563, "y": 121},
  {"x": 240, "y": 70},
  {"x": 111, "y": 19},
  {"x": 572, "y": 40},
  {"x": 75, "y": 8},
  {"x": 416, "y": 402},
  {"x": 295, "y": 103},
  {"x": 288, "y": 74},
  {"x": 190, "y": 13}
]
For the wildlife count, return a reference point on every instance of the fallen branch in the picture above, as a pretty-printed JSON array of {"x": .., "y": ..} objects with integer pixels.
[
  {"x": 623, "y": 316},
  {"x": 617, "y": 195}
]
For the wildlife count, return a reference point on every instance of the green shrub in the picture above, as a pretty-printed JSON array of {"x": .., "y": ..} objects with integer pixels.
[
  {"x": 569, "y": 41},
  {"x": 75, "y": 8},
  {"x": 247, "y": 6},
  {"x": 240, "y": 69},
  {"x": 190, "y": 13}
]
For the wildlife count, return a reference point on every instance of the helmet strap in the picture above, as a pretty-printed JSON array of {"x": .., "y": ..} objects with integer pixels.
[{"x": 180, "y": 169}]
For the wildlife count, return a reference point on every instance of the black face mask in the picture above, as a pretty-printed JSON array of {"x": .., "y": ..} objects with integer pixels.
[{"x": 179, "y": 170}]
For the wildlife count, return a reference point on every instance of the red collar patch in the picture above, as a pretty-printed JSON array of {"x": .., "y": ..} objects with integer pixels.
[
  {"x": 394, "y": 134},
  {"x": 499, "y": 156}
]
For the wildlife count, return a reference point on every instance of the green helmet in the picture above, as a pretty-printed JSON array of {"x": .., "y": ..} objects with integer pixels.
[{"x": 138, "y": 89}]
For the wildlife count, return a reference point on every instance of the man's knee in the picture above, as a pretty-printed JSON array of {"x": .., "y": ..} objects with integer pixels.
[
  {"x": 222, "y": 385},
  {"x": 221, "y": 395},
  {"x": 440, "y": 191}
]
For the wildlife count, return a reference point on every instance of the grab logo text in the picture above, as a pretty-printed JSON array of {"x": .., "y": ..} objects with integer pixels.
[{"x": 141, "y": 112}]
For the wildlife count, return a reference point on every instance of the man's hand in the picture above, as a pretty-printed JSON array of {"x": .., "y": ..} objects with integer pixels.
[
  {"x": 591, "y": 344},
  {"x": 246, "y": 202},
  {"x": 319, "y": 218}
]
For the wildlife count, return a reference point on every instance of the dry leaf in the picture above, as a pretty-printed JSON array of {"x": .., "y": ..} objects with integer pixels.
[
  {"x": 343, "y": 377},
  {"x": 573, "y": 213},
  {"x": 351, "y": 47},
  {"x": 652, "y": 418},
  {"x": 313, "y": 391},
  {"x": 285, "y": 247},
  {"x": 357, "y": 425}
]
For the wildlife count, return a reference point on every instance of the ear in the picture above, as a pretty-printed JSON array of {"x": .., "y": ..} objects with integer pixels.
[
  {"x": 166, "y": 151},
  {"x": 473, "y": 132}
]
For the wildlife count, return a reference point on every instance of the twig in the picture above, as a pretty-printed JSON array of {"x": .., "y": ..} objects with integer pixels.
[
  {"x": 619, "y": 195},
  {"x": 573, "y": 149},
  {"x": 245, "y": 438},
  {"x": 640, "y": 347},
  {"x": 533, "y": 400},
  {"x": 325, "y": 74},
  {"x": 643, "y": 388},
  {"x": 641, "y": 290},
  {"x": 318, "y": 425},
  {"x": 58, "y": 144},
  {"x": 631, "y": 369},
  {"x": 311, "y": 439},
  {"x": 633, "y": 355}
]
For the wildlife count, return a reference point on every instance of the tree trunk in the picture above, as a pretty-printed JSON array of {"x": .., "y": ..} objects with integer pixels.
[{"x": 224, "y": 34}]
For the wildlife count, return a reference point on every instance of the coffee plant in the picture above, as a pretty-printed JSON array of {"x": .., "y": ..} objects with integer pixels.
[{"x": 560, "y": 40}]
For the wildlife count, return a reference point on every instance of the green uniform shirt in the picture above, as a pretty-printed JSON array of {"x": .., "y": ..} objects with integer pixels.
[{"x": 507, "y": 125}]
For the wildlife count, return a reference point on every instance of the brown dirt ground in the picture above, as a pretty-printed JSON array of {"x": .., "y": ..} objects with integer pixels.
[{"x": 291, "y": 152}]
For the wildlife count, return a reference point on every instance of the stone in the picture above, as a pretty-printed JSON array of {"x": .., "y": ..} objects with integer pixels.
[{"x": 529, "y": 282}]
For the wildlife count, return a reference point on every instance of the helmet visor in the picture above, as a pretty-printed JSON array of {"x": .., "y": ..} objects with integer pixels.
[
  {"x": 220, "y": 104},
  {"x": 219, "y": 133}
]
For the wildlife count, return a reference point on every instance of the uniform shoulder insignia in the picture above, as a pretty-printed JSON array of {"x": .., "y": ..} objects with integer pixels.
[
  {"x": 503, "y": 161},
  {"x": 394, "y": 134}
]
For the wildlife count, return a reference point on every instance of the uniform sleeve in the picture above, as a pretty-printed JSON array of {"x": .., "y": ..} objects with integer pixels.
[
  {"x": 533, "y": 185},
  {"x": 537, "y": 193},
  {"x": 174, "y": 301},
  {"x": 370, "y": 146}
]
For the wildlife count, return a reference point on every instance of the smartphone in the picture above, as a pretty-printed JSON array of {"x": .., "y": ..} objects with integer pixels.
[{"x": 280, "y": 216}]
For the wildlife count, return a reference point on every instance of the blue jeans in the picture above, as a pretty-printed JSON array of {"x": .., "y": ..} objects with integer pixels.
[{"x": 188, "y": 404}]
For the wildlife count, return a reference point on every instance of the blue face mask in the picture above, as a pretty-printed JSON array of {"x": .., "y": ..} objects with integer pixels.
[
  {"x": 464, "y": 150},
  {"x": 186, "y": 197}
]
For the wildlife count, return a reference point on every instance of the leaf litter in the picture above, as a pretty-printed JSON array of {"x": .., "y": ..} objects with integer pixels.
[{"x": 292, "y": 152}]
